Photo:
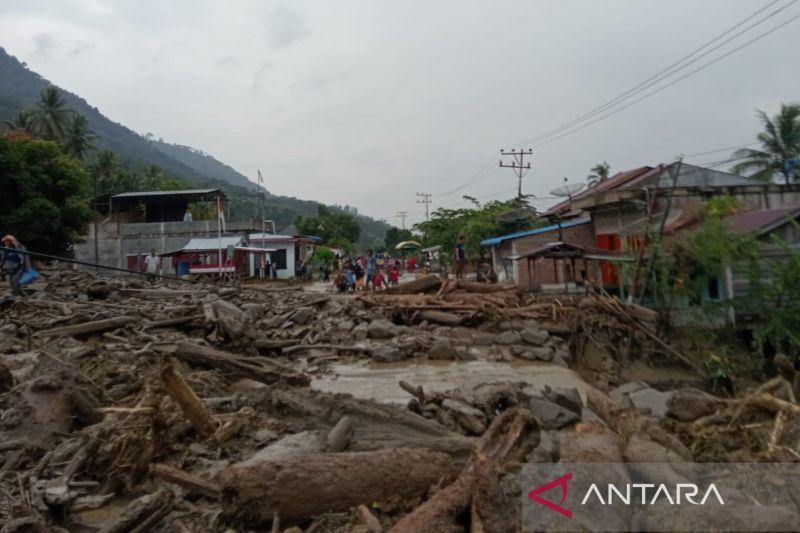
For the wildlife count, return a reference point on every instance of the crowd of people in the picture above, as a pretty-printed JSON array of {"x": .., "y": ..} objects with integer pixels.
[{"x": 371, "y": 272}]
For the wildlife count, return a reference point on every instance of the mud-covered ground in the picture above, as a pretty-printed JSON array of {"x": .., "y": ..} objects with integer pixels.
[{"x": 126, "y": 406}]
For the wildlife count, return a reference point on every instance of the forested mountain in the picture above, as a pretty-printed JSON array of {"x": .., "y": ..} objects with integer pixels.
[{"x": 20, "y": 88}]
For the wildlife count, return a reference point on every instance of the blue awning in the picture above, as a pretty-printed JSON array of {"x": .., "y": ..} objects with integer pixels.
[{"x": 494, "y": 241}]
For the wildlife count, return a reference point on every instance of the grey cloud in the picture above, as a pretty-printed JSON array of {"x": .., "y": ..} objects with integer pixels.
[
  {"x": 44, "y": 44},
  {"x": 260, "y": 78},
  {"x": 284, "y": 27},
  {"x": 227, "y": 62}
]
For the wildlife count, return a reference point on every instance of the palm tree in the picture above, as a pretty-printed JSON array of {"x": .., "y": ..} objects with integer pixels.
[
  {"x": 780, "y": 144},
  {"x": 22, "y": 121},
  {"x": 152, "y": 178},
  {"x": 103, "y": 170},
  {"x": 599, "y": 174},
  {"x": 78, "y": 139},
  {"x": 51, "y": 115}
]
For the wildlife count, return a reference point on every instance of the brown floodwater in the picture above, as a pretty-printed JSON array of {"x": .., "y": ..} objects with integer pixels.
[{"x": 378, "y": 381}]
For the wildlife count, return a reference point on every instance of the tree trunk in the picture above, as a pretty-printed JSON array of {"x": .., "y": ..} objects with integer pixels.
[
  {"x": 301, "y": 488},
  {"x": 261, "y": 370},
  {"x": 180, "y": 391},
  {"x": 426, "y": 284},
  {"x": 86, "y": 328}
]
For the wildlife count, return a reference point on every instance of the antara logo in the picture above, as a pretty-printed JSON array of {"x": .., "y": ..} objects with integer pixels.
[
  {"x": 628, "y": 494},
  {"x": 562, "y": 482}
]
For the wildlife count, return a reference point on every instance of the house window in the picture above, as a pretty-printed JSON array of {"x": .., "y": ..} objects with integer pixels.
[{"x": 279, "y": 258}]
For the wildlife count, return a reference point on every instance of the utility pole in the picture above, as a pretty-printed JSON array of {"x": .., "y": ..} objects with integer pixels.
[
  {"x": 518, "y": 164},
  {"x": 402, "y": 216},
  {"x": 425, "y": 198}
]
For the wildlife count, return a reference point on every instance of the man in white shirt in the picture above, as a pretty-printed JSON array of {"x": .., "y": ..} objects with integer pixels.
[{"x": 151, "y": 265}]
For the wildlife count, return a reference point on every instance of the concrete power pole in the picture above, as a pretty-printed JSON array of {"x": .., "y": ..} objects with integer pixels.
[
  {"x": 425, "y": 198},
  {"x": 402, "y": 216},
  {"x": 518, "y": 164}
]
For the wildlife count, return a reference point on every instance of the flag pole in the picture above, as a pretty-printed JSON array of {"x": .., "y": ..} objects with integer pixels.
[
  {"x": 263, "y": 228},
  {"x": 219, "y": 236}
]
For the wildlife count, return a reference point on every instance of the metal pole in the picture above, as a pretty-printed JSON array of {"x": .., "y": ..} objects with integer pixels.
[{"x": 94, "y": 225}]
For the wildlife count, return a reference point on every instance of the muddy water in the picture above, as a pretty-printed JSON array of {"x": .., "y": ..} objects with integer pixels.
[{"x": 378, "y": 381}]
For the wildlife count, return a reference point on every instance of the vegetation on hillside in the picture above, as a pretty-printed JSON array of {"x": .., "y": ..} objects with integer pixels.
[{"x": 20, "y": 89}]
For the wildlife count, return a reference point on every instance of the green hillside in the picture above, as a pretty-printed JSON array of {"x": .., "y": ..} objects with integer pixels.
[{"x": 20, "y": 88}]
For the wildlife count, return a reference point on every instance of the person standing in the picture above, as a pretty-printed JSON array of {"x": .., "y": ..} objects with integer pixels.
[
  {"x": 460, "y": 256},
  {"x": 151, "y": 265},
  {"x": 372, "y": 268},
  {"x": 412, "y": 263},
  {"x": 14, "y": 260}
]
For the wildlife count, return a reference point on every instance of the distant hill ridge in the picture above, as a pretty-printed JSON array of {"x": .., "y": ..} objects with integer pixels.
[{"x": 20, "y": 88}]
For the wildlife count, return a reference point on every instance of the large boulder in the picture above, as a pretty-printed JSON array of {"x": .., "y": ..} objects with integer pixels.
[
  {"x": 550, "y": 415},
  {"x": 381, "y": 329},
  {"x": 508, "y": 337},
  {"x": 689, "y": 404},
  {"x": 534, "y": 337},
  {"x": 650, "y": 401},
  {"x": 442, "y": 350}
]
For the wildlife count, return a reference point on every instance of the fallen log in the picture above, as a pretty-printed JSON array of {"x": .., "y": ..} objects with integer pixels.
[
  {"x": 260, "y": 369},
  {"x": 172, "y": 321},
  {"x": 510, "y": 438},
  {"x": 426, "y": 284},
  {"x": 335, "y": 347},
  {"x": 86, "y": 328},
  {"x": 162, "y": 293},
  {"x": 180, "y": 391},
  {"x": 192, "y": 483},
  {"x": 274, "y": 344},
  {"x": 441, "y": 317},
  {"x": 301, "y": 488},
  {"x": 341, "y": 435},
  {"x": 142, "y": 514},
  {"x": 471, "y": 286}
]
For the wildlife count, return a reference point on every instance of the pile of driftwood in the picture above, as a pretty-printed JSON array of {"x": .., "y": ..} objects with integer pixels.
[{"x": 129, "y": 407}]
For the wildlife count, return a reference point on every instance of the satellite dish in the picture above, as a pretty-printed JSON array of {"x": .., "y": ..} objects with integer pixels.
[{"x": 568, "y": 190}]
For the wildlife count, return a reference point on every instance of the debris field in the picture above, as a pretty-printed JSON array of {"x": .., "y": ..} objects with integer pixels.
[{"x": 131, "y": 407}]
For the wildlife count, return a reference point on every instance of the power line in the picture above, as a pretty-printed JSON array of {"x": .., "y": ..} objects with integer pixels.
[
  {"x": 691, "y": 73},
  {"x": 666, "y": 72},
  {"x": 402, "y": 216},
  {"x": 518, "y": 164},
  {"x": 425, "y": 198},
  {"x": 670, "y": 70},
  {"x": 717, "y": 150}
]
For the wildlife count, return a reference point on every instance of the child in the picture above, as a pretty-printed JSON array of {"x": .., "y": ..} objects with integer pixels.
[
  {"x": 378, "y": 281},
  {"x": 394, "y": 275}
]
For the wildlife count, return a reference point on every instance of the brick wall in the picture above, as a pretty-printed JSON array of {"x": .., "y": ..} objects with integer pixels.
[{"x": 542, "y": 270}]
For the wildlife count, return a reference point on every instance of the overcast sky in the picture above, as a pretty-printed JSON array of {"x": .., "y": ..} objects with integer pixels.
[{"x": 367, "y": 102}]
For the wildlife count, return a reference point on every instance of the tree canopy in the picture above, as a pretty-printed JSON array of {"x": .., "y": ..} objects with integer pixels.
[
  {"x": 476, "y": 223},
  {"x": 396, "y": 235},
  {"x": 333, "y": 228},
  {"x": 780, "y": 147},
  {"x": 45, "y": 195}
]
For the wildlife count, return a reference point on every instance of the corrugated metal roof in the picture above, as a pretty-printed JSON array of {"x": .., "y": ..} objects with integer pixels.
[
  {"x": 184, "y": 192},
  {"x": 494, "y": 241},
  {"x": 613, "y": 182},
  {"x": 763, "y": 220},
  {"x": 256, "y": 238},
  {"x": 211, "y": 243}
]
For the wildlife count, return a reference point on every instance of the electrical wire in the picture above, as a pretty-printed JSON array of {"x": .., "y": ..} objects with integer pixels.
[
  {"x": 667, "y": 72},
  {"x": 691, "y": 73}
]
